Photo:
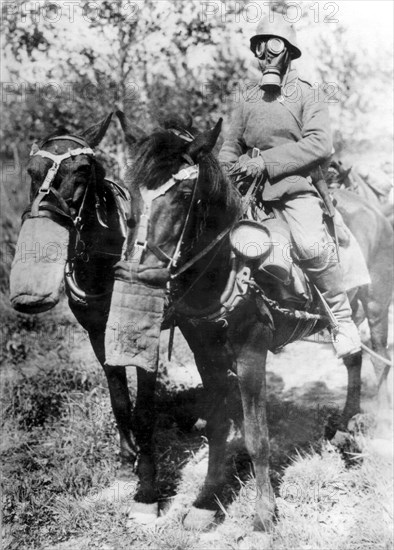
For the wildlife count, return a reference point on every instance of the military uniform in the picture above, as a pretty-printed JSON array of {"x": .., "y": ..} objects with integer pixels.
[{"x": 291, "y": 129}]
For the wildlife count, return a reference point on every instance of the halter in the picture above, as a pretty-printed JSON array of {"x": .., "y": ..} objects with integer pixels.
[
  {"x": 62, "y": 215},
  {"x": 141, "y": 241},
  {"x": 46, "y": 186},
  {"x": 148, "y": 196}
]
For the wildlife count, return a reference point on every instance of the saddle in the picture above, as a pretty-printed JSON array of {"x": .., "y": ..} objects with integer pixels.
[{"x": 286, "y": 296}]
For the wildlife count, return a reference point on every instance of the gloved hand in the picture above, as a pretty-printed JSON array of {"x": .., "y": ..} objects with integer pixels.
[{"x": 251, "y": 166}]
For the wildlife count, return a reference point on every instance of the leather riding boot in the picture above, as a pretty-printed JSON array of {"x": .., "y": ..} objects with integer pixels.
[{"x": 328, "y": 279}]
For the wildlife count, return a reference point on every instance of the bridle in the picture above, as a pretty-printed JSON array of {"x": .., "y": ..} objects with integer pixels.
[
  {"x": 142, "y": 243},
  {"x": 61, "y": 213},
  {"x": 40, "y": 206}
]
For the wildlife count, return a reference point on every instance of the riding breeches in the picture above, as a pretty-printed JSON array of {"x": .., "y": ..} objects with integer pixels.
[
  {"x": 310, "y": 238},
  {"x": 315, "y": 249}
]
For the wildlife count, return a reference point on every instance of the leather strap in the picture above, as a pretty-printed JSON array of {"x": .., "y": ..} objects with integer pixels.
[
  {"x": 246, "y": 202},
  {"x": 75, "y": 139}
]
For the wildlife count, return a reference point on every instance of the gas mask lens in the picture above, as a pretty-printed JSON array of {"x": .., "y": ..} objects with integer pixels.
[
  {"x": 260, "y": 49},
  {"x": 274, "y": 46}
]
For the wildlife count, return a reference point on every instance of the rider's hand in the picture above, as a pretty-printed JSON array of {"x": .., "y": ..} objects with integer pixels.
[{"x": 251, "y": 166}]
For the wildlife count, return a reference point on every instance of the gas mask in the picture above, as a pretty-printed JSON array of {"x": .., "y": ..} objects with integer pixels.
[{"x": 274, "y": 60}]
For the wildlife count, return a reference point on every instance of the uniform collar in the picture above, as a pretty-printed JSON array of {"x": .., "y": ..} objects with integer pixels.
[{"x": 292, "y": 76}]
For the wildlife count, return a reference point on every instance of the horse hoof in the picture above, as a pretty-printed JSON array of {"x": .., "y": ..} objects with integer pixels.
[
  {"x": 143, "y": 514},
  {"x": 256, "y": 541},
  {"x": 199, "y": 519}
]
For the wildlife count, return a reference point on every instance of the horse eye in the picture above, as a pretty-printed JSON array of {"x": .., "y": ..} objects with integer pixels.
[{"x": 185, "y": 194}]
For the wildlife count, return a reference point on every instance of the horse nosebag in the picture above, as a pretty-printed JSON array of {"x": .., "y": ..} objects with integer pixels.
[
  {"x": 37, "y": 271},
  {"x": 135, "y": 317}
]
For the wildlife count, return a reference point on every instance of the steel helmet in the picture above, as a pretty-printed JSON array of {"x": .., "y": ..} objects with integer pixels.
[{"x": 279, "y": 28}]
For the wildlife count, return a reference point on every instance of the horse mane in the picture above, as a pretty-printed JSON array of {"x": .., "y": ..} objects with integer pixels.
[{"x": 159, "y": 156}]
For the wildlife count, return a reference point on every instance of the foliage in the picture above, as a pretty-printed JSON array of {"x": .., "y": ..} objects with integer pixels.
[{"x": 58, "y": 76}]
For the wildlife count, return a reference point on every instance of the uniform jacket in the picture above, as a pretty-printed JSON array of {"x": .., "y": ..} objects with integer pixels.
[{"x": 291, "y": 129}]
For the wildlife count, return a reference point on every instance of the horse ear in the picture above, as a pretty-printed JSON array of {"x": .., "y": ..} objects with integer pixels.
[
  {"x": 95, "y": 134},
  {"x": 205, "y": 142},
  {"x": 132, "y": 135},
  {"x": 34, "y": 149}
]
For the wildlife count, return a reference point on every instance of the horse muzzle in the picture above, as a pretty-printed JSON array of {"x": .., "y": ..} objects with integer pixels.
[{"x": 37, "y": 271}]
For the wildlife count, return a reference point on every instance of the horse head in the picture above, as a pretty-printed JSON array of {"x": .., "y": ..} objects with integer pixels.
[
  {"x": 172, "y": 171},
  {"x": 338, "y": 176},
  {"x": 64, "y": 177}
]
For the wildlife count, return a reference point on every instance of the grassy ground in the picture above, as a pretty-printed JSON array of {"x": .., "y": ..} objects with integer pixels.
[{"x": 59, "y": 446}]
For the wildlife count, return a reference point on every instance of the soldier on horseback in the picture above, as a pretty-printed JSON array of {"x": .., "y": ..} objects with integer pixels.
[{"x": 281, "y": 133}]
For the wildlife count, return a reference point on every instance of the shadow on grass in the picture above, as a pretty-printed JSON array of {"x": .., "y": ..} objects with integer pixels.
[{"x": 296, "y": 420}]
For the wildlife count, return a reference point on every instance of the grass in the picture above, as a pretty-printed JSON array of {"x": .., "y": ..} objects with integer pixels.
[{"x": 60, "y": 445}]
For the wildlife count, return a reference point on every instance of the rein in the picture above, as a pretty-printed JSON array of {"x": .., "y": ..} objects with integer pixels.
[{"x": 246, "y": 203}]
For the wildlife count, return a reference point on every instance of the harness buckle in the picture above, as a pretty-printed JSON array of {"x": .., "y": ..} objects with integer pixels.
[
  {"x": 186, "y": 173},
  {"x": 44, "y": 189}
]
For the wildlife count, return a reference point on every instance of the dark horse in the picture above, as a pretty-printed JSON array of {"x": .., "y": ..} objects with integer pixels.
[
  {"x": 177, "y": 269},
  {"x": 178, "y": 259}
]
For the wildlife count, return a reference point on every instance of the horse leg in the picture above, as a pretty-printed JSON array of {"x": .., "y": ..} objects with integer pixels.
[
  {"x": 251, "y": 375},
  {"x": 377, "y": 311},
  {"x": 144, "y": 508},
  {"x": 212, "y": 360},
  {"x": 121, "y": 407},
  {"x": 135, "y": 432},
  {"x": 143, "y": 423},
  {"x": 353, "y": 397}
]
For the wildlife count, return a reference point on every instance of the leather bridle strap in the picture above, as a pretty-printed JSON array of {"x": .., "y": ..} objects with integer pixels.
[
  {"x": 148, "y": 196},
  {"x": 177, "y": 253},
  {"x": 51, "y": 174},
  {"x": 79, "y": 141},
  {"x": 246, "y": 202},
  {"x": 203, "y": 252}
]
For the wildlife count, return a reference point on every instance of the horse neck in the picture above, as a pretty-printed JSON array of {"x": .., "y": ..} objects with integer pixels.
[
  {"x": 97, "y": 237},
  {"x": 209, "y": 275}
]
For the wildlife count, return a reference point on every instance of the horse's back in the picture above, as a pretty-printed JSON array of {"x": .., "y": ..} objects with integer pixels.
[
  {"x": 376, "y": 238},
  {"x": 368, "y": 224}
]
